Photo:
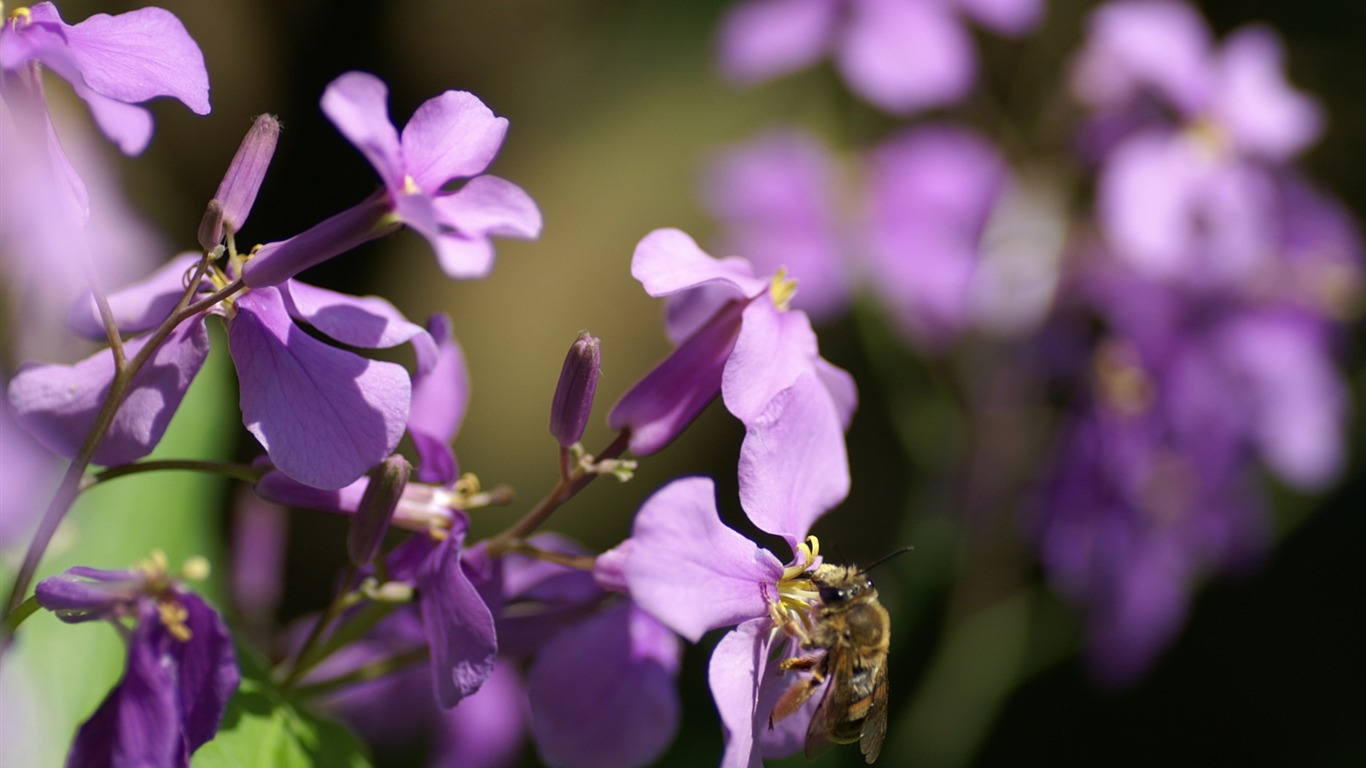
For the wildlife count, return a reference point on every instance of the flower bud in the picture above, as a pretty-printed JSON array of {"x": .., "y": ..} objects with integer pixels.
[
  {"x": 376, "y": 508},
  {"x": 240, "y": 184},
  {"x": 574, "y": 395}
]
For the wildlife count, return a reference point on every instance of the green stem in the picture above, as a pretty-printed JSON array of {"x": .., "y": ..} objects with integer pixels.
[
  {"x": 243, "y": 472},
  {"x": 364, "y": 674},
  {"x": 25, "y": 609}
]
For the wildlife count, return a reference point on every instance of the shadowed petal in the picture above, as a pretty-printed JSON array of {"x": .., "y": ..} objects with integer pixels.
[
  {"x": 772, "y": 351},
  {"x": 737, "y": 664},
  {"x": 440, "y": 397},
  {"x": 368, "y": 322},
  {"x": 141, "y": 306},
  {"x": 625, "y": 663},
  {"x": 57, "y": 404},
  {"x": 324, "y": 415},
  {"x": 206, "y": 669},
  {"x": 458, "y": 624}
]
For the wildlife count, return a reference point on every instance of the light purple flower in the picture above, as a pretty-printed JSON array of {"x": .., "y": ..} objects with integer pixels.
[
  {"x": 113, "y": 63},
  {"x": 450, "y": 138},
  {"x": 1191, "y": 199},
  {"x": 181, "y": 666},
  {"x": 694, "y": 574},
  {"x": 737, "y": 337},
  {"x": 931, "y": 193},
  {"x": 901, "y": 55}
]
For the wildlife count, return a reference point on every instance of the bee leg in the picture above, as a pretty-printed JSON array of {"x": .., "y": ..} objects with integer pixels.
[{"x": 796, "y": 695}]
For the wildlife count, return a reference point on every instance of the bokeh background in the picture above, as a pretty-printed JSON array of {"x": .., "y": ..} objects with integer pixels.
[{"x": 615, "y": 107}]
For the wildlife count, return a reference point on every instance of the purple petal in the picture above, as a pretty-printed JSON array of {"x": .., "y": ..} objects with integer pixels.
[
  {"x": 358, "y": 104},
  {"x": 206, "y": 670},
  {"x": 1006, "y": 17},
  {"x": 793, "y": 463},
  {"x": 489, "y": 205},
  {"x": 776, "y": 196},
  {"x": 140, "y": 55},
  {"x": 1298, "y": 404},
  {"x": 905, "y": 56},
  {"x": 458, "y": 624},
  {"x": 1133, "y": 47},
  {"x": 440, "y": 397},
  {"x": 57, "y": 404},
  {"x": 141, "y": 306},
  {"x": 668, "y": 261},
  {"x": 841, "y": 388},
  {"x": 138, "y": 722},
  {"x": 324, "y": 415},
  {"x": 773, "y": 350},
  {"x": 368, "y": 322},
  {"x": 624, "y": 662},
  {"x": 489, "y": 726},
  {"x": 1265, "y": 115},
  {"x": 280, "y": 488},
  {"x": 933, "y": 190},
  {"x": 761, "y": 39},
  {"x": 127, "y": 125},
  {"x": 29, "y": 474},
  {"x": 737, "y": 664},
  {"x": 688, "y": 569},
  {"x": 451, "y": 136},
  {"x": 663, "y": 403}
]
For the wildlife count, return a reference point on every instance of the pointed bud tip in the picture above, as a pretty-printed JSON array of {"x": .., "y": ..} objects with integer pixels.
[
  {"x": 243, "y": 180},
  {"x": 573, "y": 401},
  {"x": 376, "y": 508}
]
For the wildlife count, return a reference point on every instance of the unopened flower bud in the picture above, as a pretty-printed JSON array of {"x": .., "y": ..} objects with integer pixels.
[
  {"x": 574, "y": 395},
  {"x": 240, "y": 184},
  {"x": 376, "y": 508}
]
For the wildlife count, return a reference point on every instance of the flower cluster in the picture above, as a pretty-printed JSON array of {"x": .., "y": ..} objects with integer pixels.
[{"x": 1166, "y": 300}]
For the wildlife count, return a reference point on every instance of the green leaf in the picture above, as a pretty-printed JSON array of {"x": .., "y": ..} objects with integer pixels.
[{"x": 264, "y": 729}]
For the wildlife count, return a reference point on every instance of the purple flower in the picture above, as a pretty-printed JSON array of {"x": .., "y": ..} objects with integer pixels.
[
  {"x": 694, "y": 574},
  {"x": 901, "y": 55},
  {"x": 323, "y": 414},
  {"x": 932, "y": 192},
  {"x": 736, "y": 336},
  {"x": 1194, "y": 198},
  {"x": 181, "y": 667},
  {"x": 113, "y": 63},
  {"x": 452, "y": 137}
]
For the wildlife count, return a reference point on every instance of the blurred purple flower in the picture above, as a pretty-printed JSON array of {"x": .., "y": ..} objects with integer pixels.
[
  {"x": 694, "y": 574},
  {"x": 29, "y": 476},
  {"x": 452, "y": 137},
  {"x": 736, "y": 336},
  {"x": 1194, "y": 198},
  {"x": 901, "y": 55},
  {"x": 932, "y": 192},
  {"x": 776, "y": 197},
  {"x": 112, "y": 62},
  {"x": 181, "y": 667}
]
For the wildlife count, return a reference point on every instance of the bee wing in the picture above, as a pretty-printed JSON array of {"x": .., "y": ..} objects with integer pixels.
[{"x": 875, "y": 725}]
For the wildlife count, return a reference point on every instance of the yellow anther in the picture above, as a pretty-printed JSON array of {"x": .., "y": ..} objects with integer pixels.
[
  {"x": 195, "y": 569},
  {"x": 1124, "y": 385},
  {"x": 22, "y": 12},
  {"x": 173, "y": 617},
  {"x": 410, "y": 186},
  {"x": 1209, "y": 137},
  {"x": 781, "y": 289}
]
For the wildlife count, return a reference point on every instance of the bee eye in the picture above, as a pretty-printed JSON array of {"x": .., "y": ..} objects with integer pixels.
[{"x": 831, "y": 595}]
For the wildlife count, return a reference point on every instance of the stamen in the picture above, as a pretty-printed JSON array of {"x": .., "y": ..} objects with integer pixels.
[
  {"x": 410, "y": 186},
  {"x": 173, "y": 617},
  {"x": 781, "y": 290}
]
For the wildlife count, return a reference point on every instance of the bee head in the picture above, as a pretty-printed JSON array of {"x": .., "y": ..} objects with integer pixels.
[{"x": 834, "y": 592}]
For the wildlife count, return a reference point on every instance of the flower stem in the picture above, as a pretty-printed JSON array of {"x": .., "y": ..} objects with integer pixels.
[
  {"x": 243, "y": 472},
  {"x": 364, "y": 673},
  {"x": 511, "y": 538}
]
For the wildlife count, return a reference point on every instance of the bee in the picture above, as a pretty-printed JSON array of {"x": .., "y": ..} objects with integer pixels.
[{"x": 854, "y": 631}]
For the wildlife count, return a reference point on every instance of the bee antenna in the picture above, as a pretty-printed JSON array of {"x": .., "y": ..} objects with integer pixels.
[{"x": 887, "y": 557}]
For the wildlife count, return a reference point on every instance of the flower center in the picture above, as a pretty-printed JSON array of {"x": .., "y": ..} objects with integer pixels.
[
  {"x": 410, "y": 186},
  {"x": 22, "y": 13},
  {"x": 791, "y": 610}
]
